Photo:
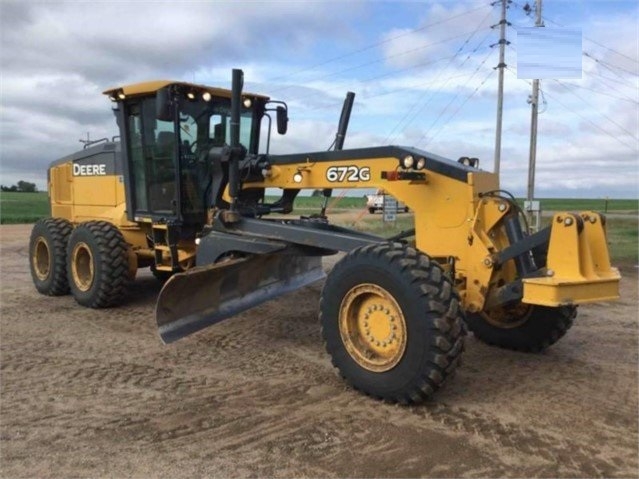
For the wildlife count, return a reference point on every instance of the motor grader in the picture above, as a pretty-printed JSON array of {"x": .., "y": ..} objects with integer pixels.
[{"x": 182, "y": 192}]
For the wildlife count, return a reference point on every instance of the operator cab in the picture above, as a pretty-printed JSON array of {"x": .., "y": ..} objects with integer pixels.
[{"x": 174, "y": 138}]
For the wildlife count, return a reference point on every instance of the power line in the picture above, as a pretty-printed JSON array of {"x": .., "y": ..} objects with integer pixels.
[
  {"x": 601, "y": 93},
  {"x": 460, "y": 107},
  {"x": 596, "y": 42},
  {"x": 376, "y": 44},
  {"x": 414, "y": 106},
  {"x": 614, "y": 80},
  {"x": 424, "y": 135},
  {"x": 584, "y": 36},
  {"x": 372, "y": 62},
  {"x": 623, "y": 96},
  {"x": 416, "y": 85},
  {"x": 633, "y": 148},
  {"x": 608, "y": 66},
  {"x": 393, "y": 73},
  {"x": 578, "y": 114},
  {"x": 602, "y": 114}
]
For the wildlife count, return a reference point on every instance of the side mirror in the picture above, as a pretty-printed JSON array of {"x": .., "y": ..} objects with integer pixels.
[
  {"x": 282, "y": 120},
  {"x": 163, "y": 105}
]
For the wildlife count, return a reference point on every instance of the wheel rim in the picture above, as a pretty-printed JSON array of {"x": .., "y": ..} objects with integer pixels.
[
  {"x": 508, "y": 318},
  {"x": 41, "y": 258},
  {"x": 372, "y": 327},
  {"x": 82, "y": 266}
]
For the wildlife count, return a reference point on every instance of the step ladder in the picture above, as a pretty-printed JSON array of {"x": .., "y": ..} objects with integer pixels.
[{"x": 165, "y": 240}]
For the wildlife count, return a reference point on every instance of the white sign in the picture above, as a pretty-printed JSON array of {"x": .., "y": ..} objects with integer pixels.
[
  {"x": 89, "y": 170},
  {"x": 390, "y": 208}
]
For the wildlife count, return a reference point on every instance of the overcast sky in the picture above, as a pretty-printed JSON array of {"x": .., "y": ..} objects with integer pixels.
[{"x": 423, "y": 74}]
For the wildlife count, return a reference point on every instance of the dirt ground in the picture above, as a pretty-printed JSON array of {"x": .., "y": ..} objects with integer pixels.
[{"x": 88, "y": 393}]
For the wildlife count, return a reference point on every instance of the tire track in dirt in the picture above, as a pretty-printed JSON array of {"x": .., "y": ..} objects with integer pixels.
[{"x": 96, "y": 393}]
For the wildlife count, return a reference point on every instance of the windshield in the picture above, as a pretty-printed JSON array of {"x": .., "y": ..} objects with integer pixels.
[
  {"x": 170, "y": 170},
  {"x": 203, "y": 125}
]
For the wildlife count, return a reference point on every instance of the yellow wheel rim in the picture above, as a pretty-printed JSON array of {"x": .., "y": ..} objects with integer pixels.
[
  {"x": 41, "y": 258},
  {"x": 82, "y": 266},
  {"x": 372, "y": 327}
]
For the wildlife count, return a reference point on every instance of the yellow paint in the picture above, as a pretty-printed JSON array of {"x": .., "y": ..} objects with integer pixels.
[
  {"x": 451, "y": 220},
  {"x": 149, "y": 88},
  {"x": 578, "y": 264}
]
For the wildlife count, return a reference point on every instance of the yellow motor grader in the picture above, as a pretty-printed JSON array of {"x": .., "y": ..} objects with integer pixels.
[{"x": 182, "y": 191}]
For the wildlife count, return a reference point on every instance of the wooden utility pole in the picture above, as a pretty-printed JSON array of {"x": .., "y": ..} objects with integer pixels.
[
  {"x": 534, "y": 112},
  {"x": 500, "y": 88}
]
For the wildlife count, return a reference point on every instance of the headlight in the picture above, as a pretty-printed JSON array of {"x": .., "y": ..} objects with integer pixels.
[
  {"x": 421, "y": 163},
  {"x": 297, "y": 177},
  {"x": 206, "y": 96},
  {"x": 408, "y": 161},
  {"x": 247, "y": 103}
]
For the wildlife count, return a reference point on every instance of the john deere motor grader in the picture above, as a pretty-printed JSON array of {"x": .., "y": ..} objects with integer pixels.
[{"x": 182, "y": 192}]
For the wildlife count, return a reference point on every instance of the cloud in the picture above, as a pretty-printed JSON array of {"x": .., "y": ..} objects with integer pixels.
[
  {"x": 57, "y": 58},
  {"x": 441, "y": 33},
  {"x": 116, "y": 41}
]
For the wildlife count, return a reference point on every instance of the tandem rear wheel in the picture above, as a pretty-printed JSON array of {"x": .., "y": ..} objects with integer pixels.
[
  {"x": 97, "y": 264},
  {"x": 47, "y": 255},
  {"x": 523, "y": 327},
  {"x": 392, "y": 322}
]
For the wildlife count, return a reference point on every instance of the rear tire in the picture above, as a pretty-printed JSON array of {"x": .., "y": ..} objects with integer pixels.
[
  {"x": 392, "y": 322},
  {"x": 47, "y": 255},
  {"x": 97, "y": 264},
  {"x": 524, "y": 328}
]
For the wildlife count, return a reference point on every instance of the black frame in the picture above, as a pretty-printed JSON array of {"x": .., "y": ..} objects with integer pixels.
[{"x": 122, "y": 113}]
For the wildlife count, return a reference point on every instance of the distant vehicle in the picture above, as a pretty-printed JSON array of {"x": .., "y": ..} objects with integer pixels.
[{"x": 376, "y": 203}]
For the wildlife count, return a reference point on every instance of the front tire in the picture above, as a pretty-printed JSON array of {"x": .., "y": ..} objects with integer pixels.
[
  {"x": 97, "y": 264},
  {"x": 525, "y": 327},
  {"x": 392, "y": 322},
  {"x": 47, "y": 255}
]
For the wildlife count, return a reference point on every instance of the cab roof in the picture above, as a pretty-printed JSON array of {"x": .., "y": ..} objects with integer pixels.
[{"x": 150, "y": 87}]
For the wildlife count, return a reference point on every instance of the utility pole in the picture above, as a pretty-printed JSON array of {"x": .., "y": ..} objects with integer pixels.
[
  {"x": 534, "y": 112},
  {"x": 500, "y": 88}
]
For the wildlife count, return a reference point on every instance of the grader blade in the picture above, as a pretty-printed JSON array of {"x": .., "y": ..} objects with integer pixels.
[{"x": 203, "y": 296}]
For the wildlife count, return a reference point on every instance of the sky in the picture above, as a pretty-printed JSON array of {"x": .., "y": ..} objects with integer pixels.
[{"x": 423, "y": 73}]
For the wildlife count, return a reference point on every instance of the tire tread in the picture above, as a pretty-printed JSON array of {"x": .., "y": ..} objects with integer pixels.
[
  {"x": 443, "y": 313},
  {"x": 114, "y": 271},
  {"x": 59, "y": 229}
]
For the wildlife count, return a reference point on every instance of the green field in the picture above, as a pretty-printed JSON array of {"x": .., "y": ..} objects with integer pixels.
[
  {"x": 600, "y": 204},
  {"x": 547, "y": 204},
  {"x": 622, "y": 237},
  {"x": 23, "y": 207},
  {"x": 622, "y": 232}
]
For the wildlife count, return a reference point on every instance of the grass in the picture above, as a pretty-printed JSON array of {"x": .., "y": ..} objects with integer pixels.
[
  {"x": 303, "y": 203},
  {"x": 308, "y": 203},
  {"x": 600, "y": 204},
  {"x": 622, "y": 238},
  {"x": 23, "y": 207}
]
